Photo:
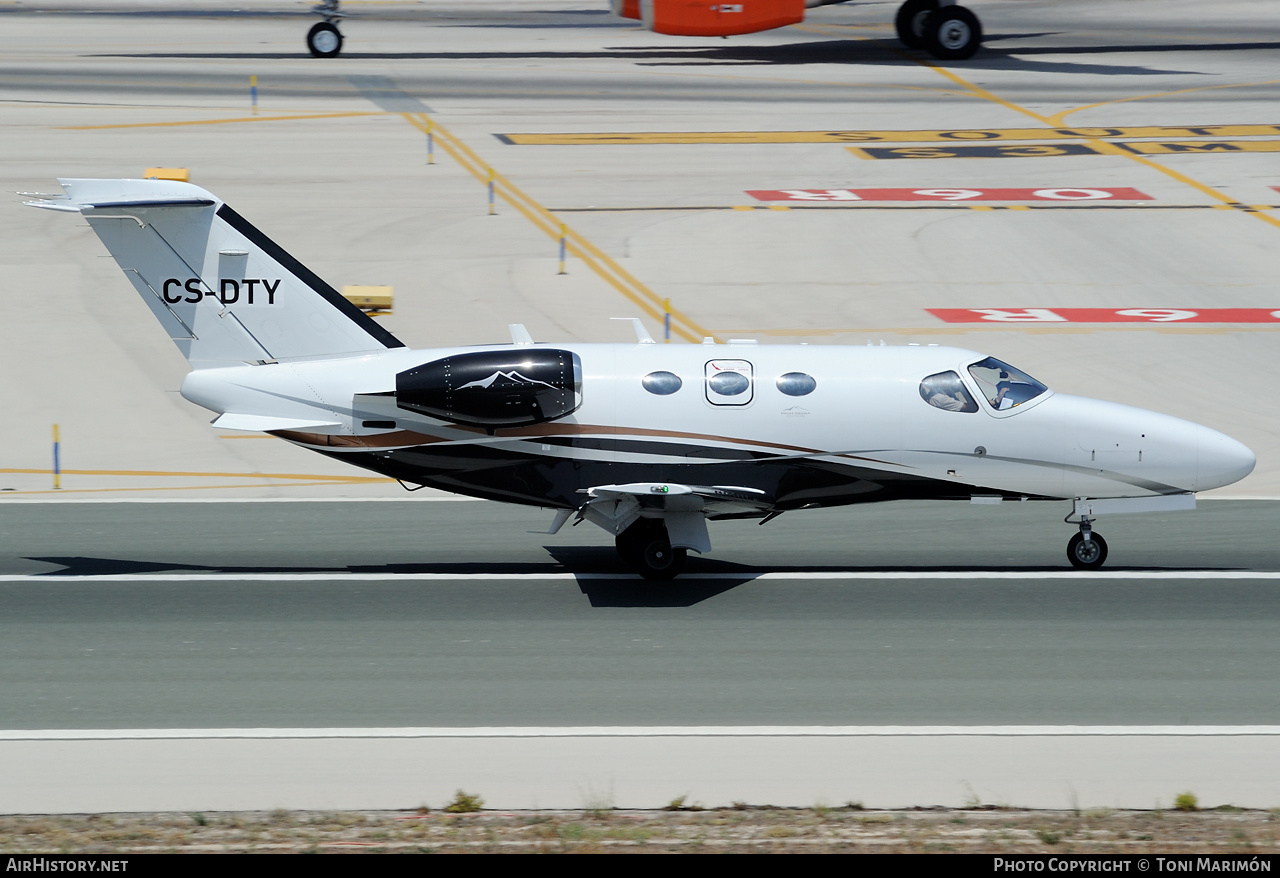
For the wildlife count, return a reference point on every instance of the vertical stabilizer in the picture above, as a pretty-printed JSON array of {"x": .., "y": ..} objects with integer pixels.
[{"x": 226, "y": 293}]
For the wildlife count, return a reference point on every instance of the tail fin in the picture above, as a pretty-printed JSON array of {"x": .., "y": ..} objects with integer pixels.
[{"x": 226, "y": 293}]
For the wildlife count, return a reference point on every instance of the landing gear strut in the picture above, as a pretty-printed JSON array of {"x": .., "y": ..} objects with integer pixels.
[
  {"x": 646, "y": 546},
  {"x": 324, "y": 40},
  {"x": 1086, "y": 550}
]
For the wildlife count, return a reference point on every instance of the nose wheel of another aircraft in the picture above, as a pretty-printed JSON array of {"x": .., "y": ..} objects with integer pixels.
[
  {"x": 324, "y": 40},
  {"x": 1087, "y": 554},
  {"x": 647, "y": 547}
]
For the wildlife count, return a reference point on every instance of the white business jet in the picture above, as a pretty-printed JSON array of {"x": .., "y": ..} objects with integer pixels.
[{"x": 647, "y": 441}]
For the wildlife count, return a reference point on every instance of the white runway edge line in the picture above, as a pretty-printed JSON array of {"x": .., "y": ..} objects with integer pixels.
[
  {"x": 642, "y": 732},
  {"x": 1156, "y": 575},
  {"x": 428, "y": 498}
]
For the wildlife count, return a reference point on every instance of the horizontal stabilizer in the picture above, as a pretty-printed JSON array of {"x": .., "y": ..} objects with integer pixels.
[{"x": 266, "y": 423}]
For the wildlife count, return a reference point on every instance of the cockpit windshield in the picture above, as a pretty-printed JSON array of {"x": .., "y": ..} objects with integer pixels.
[{"x": 1004, "y": 386}]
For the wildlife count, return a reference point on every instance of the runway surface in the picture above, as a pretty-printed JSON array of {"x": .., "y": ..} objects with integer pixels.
[{"x": 449, "y": 614}]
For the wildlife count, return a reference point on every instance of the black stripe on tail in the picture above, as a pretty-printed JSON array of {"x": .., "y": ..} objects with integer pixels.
[{"x": 308, "y": 277}]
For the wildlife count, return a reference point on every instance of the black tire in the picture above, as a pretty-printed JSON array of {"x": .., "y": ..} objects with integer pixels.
[
  {"x": 952, "y": 33},
  {"x": 1087, "y": 556},
  {"x": 910, "y": 20},
  {"x": 324, "y": 41},
  {"x": 646, "y": 547}
]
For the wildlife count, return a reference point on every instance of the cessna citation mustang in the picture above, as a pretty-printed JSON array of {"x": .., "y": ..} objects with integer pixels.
[
  {"x": 941, "y": 27},
  {"x": 647, "y": 441}
]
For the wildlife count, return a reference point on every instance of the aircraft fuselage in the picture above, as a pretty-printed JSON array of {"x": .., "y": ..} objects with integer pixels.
[{"x": 847, "y": 425}]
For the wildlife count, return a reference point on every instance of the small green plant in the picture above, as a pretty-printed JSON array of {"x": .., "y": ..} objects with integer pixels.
[
  {"x": 464, "y": 803},
  {"x": 1186, "y": 802},
  {"x": 1048, "y": 836},
  {"x": 199, "y": 818},
  {"x": 598, "y": 805},
  {"x": 681, "y": 803},
  {"x": 572, "y": 831}
]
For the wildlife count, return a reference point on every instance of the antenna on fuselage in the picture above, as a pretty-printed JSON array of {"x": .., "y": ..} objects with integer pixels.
[{"x": 642, "y": 334}]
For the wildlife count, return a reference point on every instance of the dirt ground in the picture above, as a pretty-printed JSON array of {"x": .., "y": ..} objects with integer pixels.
[{"x": 740, "y": 829}]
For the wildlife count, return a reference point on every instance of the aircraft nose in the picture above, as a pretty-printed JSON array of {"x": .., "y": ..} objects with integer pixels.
[{"x": 1222, "y": 460}]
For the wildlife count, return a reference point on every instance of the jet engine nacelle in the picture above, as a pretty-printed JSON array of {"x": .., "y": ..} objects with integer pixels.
[
  {"x": 626, "y": 8},
  {"x": 701, "y": 18},
  {"x": 494, "y": 389}
]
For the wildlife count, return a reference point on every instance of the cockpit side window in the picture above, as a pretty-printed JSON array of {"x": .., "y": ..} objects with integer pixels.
[
  {"x": 1004, "y": 386},
  {"x": 946, "y": 391}
]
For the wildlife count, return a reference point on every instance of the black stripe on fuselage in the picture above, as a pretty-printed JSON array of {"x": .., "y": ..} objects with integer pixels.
[
  {"x": 310, "y": 278},
  {"x": 678, "y": 450},
  {"x": 537, "y": 480}
]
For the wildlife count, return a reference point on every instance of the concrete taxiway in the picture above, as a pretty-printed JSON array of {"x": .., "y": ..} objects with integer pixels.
[{"x": 269, "y": 622}]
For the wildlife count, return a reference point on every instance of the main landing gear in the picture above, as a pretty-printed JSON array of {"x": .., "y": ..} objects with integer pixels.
[
  {"x": 1086, "y": 550},
  {"x": 323, "y": 39},
  {"x": 946, "y": 31},
  {"x": 646, "y": 546}
]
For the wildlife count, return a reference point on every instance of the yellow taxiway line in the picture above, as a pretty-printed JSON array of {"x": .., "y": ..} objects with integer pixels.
[{"x": 545, "y": 221}]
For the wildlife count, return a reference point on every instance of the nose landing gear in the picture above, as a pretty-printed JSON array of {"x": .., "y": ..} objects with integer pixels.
[{"x": 1086, "y": 550}]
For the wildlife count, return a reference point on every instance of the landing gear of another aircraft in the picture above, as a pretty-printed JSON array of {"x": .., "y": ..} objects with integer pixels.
[
  {"x": 1086, "y": 550},
  {"x": 324, "y": 40},
  {"x": 947, "y": 32},
  {"x": 952, "y": 33},
  {"x": 910, "y": 19},
  {"x": 646, "y": 546}
]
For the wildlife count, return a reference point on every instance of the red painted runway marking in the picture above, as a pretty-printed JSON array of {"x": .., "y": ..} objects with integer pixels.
[
  {"x": 1059, "y": 194},
  {"x": 1106, "y": 315}
]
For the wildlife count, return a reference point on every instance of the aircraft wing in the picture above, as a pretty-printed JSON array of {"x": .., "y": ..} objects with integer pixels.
[{"x": 683, "y": 508}]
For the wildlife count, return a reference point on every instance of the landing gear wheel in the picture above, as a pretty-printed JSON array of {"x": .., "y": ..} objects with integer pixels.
[
  {"x": 952, "y": 33},
  {"x": 324, "y": 41},
  {"x": 1087, "y": 555},
  {"x": 910, "y": 20},
  {"x": 646, "y": 547}
]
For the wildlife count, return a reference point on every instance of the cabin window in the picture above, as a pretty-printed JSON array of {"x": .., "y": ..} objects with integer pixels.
[
  {"x": 946, "y": 391},
  {"x": 796, "y": 384},
  {"x": 1004, "y": 386},
  {"x": 729, "y": 382},
  {"x": 662, "y": 383}
]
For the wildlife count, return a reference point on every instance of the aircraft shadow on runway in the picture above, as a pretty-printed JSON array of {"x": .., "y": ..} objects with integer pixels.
[
  {"x": 600, "y": 575},
  {"x": 834, "y": 51}
]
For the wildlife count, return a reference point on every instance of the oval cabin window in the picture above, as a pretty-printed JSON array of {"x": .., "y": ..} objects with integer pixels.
[
  {"x": 796, "y": 384},
  {"x": 662, "y": 383},
  {"x": 729, "y": 383}
]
